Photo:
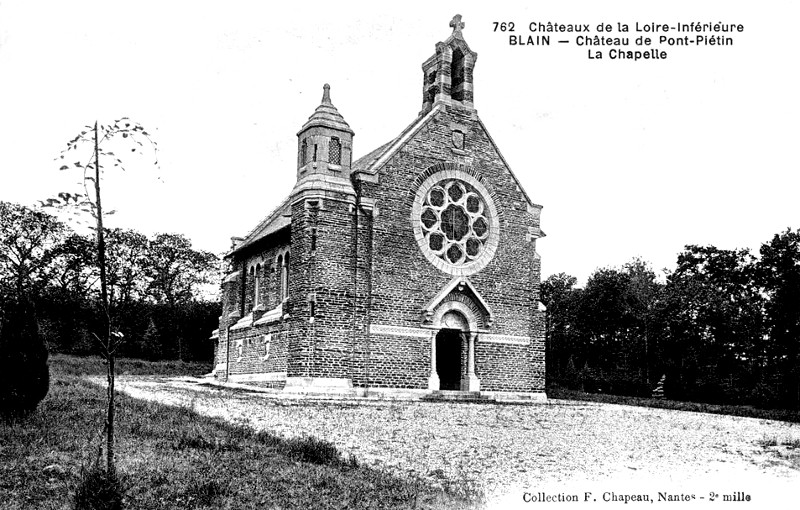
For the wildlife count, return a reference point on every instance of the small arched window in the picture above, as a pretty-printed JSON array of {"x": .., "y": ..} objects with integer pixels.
[
  {"x": 252, "y": 278},
  {"x": 256, "y": 286},
  {"x": 335, "y": 151},
  {"x": 303, "y": 152},
  {"x": 457, "y": 72},
  {"x": 279, "y": 269},
  {"x": 285, "y": 278}
]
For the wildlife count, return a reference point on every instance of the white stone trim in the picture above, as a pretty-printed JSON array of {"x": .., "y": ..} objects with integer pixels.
[
  {"x": 516, "y": 396},
  {"x": 244, "y": 322},
  {"x": 392, "y": 393},
  {"x": 319, "y": 385},
  {"x": 231, "y": 277},
  {"x": 504, "y": 339},
  {"x": 262, "y": 377},
  {"x": 373, "y": 168},
  {"x": 271, "y": 316},
  {"x": 533, "y": 209},
  {"x": 459, "y": 282},
  {"x": 385, "y": 329},
  {"x": 322, "y": 186}
]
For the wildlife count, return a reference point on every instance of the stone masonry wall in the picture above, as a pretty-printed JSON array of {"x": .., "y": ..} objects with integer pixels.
[
  {"x": 332, "y": 287},
  {"x": 403, "y": 280},
  {"x": 243, "y": 348},
  {"x": 399, "y": 362}
]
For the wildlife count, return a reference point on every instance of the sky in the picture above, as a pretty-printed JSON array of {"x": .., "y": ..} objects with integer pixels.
[{"x": 629, "y": 159}]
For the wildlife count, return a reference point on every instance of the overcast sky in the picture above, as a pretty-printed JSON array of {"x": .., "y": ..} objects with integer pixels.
[{"x": 627, "y": 158}]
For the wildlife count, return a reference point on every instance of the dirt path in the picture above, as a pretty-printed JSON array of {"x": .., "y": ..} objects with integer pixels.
[{"x": 507, "y": 450}]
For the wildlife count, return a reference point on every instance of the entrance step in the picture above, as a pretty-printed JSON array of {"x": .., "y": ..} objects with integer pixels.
[{"x": 456, "y": 396}]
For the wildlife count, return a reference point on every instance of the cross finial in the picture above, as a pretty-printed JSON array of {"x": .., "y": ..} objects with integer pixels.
[
  {"x": 457, "y": 25},
  {"x": 326, "y": 94}
]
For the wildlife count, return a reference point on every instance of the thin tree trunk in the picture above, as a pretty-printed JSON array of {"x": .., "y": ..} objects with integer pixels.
[
  {"x": 107, "y": 341},
  {"x": 110, "y": 466}
]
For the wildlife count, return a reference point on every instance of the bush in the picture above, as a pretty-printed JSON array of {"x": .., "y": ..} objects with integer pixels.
[
  {"x": 99, "y": 490},
  {"x": 24, "y": 373}
]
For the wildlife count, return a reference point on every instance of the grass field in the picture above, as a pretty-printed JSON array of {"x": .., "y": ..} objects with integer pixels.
[{"x": 173, "y": 458}]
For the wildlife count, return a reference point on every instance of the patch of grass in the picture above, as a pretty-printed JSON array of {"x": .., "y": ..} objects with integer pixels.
[
  {"x": 171, "y": 457},
  {"x": 768, "y": 442},
  {"x": 792, "y": 443},
  {"x": 99, "y": 490},
  {"x": 771, "y": 441},
  {"x": 197, "y": 441},
  {"x": 786, "y": 449},
  {"x": 317, "y": 451},
  {"x": 788, "y": 415},
  {"x": 63, "y": 364}
]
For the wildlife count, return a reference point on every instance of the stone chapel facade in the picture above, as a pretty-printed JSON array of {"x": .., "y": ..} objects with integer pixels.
[{"x": 410, "y": 270}]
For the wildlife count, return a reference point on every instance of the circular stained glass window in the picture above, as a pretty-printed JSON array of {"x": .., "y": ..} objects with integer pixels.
[{"x": 455, "y": 223}]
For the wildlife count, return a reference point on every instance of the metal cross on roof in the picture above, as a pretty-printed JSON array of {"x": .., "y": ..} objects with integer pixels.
[{"x": 457, "y": 24}]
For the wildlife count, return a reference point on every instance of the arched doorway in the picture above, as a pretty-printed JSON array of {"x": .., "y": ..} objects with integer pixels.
[
  {"x": 453, "y": 349},
  {"x": 448, "y": 359}
]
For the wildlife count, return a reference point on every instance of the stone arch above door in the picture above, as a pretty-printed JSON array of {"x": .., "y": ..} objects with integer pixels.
[
  {"x": 459, "y": 296},
  {"x": 455, "y": 315}
]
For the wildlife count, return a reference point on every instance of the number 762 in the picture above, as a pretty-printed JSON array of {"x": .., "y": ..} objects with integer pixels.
[{"x": 505, "y": 26}]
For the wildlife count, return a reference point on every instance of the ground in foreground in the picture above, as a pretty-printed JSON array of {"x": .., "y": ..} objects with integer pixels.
[
  {"x": 508, "y": 450},
  {"x": 172, "y": 457}
]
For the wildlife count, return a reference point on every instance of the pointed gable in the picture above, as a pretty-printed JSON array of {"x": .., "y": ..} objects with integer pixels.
[{"x": 460, "y": 290}]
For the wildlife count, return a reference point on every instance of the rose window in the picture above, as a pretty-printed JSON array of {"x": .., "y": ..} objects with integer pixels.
[{"x": 455, "y": 223}]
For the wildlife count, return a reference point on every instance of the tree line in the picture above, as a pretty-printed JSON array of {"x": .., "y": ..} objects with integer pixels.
[
  {"x": 157, "y": 286},
  {"x": 724, "y": 327}
]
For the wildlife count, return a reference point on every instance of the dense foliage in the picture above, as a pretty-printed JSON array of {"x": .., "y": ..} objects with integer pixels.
[
  {"x": 723, "y": 328},
  {"x": 161, "y": 290},
  {"x": 24, "y": 373}
]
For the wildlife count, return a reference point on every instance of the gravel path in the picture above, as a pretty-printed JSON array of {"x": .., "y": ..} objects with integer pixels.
[{"x": 508, "y": 449}]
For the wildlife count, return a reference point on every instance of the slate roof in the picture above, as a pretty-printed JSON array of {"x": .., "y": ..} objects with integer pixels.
[
  {"x": 364, "y": 162},
  {"x": 278, "y": 219}
]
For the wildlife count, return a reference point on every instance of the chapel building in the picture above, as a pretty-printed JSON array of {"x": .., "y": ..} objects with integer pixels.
[{"x": 407, "y": 272}]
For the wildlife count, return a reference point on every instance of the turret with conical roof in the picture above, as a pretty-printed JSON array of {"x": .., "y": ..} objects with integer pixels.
[{"x": 325, "y": 142}]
